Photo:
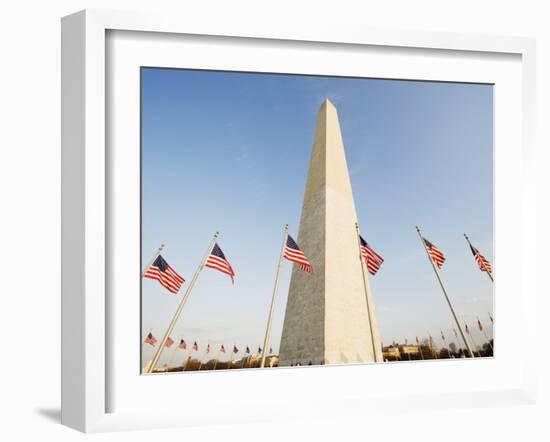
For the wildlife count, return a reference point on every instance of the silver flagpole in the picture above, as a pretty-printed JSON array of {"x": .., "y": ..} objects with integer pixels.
[
  {"x": 270, "y": 317},
  {"x": 445, "y": 293},
  {"x": 430, "y": 341},
  {"x": 231, "y": 357},
  {"x": 155, "y": 256},
  {"x": 474, "y": 342},
  {"x": 485, "y": 334},
  {"x": 182, "y": 303},
  {"x": 216, "y": 360},
  {"x": 368, "y": 293},
  {"x": 173, "y": 354},
  {"x": 419, "y": 343},
  {"x": 480, "y": 260},
  {"x": 200, "y": 362},
  {"x": 143, "y": 346}
]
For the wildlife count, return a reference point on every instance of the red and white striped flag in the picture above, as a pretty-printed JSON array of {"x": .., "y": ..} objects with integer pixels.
[
  {"x": 169, "y": 342},
  {"x": 182, "y": 345},
  {"x": 466, "y": 328},
  {"x": 479, "y": 325},
  {"x": 293, "y": 253},
  {"x": 222, "y": 349},
  {"x": 217, "y": 260},
  {"x": 437, "y": 255},
  {"x": 482, "y": 262},
  {"x": 372, "y": 259},
  {"x": 195, "y": 346},
  {"x": 150, "y": 339},
  {"x": 166, "y": 275},
  {"x": 491, "y": 318},
  {"x": 208, "y": 349}
]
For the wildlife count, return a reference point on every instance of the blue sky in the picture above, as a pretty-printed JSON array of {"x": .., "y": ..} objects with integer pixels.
[{"x": 230, "y": 152}]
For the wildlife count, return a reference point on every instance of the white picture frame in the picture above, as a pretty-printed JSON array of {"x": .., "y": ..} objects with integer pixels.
[{"x": 86, "y": 205}]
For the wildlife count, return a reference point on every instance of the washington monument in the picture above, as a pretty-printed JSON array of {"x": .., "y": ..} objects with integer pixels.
[{"x": 330, "y": 316}]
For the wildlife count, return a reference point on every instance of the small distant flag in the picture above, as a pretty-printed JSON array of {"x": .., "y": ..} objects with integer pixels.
[
  {"x": 479, "y": 325},
  {"x": 437, "y": 255},
  {"x": 270, "y": 351},
  {"x": 372, "y": 259},
  {"x": 182, "y": 345},
  {"x": 150, "y": 339},
  {"x": 442, "y": 335},
  {"x": 417, "y": 341},
  {"x": 217, "y": 260},
  {"x": 161, "y": 271},
  {"x": 482, "y": 262},
  {"x": 466, "y": 328},
  {"x": 491, "y": 319},
  {"x": 259, "y": 350},
  {"x": 195, "y": 346},
  {"x": 247, "y": 350},
  {"x": 169, "y": 342},
  {"x": 208, "y": 349},
  {"x": 222, "y": 349},
  {"x": 293, "y": 253},
  {"x": 235, "y": 349}
]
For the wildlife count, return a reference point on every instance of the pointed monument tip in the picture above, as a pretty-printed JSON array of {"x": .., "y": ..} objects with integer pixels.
[{"x": 327, "y": 103}]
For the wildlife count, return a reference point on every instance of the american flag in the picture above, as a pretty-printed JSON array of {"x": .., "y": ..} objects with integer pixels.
[
  {"x": 479, "y": 325},
  {"x": 150, "y": 339},
  {"x": 208, "y": 349},
  {"x": 466, "y": 328},
  {"x": 491, "y": 318},
  {"x": 235, "y": 349},
  {"x": 169, "y": 342},
  {"x": 247, "y": 350},
  {"x": 482, "y": 262},
  {"x": 182, "y": 345},
  {"x": 195, "y": 346},
  {"x": 442, "y": 335},
  {"x": 222, "y": 349},
  {"x": 437, "y": 255},
  {"x": 293, "y": 253},
  {"x": 166, "y": 275},
  {"x": 259, "y": 350},
  {"x": 270, "y": 351},
  {"x": 372, "y": 259},
  {"x": 217, "y": 260}
]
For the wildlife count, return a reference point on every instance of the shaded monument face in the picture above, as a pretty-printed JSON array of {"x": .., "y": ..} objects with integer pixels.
[{"x": 327, "y": 320}]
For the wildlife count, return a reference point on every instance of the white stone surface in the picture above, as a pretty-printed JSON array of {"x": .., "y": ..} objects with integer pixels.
[{"x": 326, "y": 319}]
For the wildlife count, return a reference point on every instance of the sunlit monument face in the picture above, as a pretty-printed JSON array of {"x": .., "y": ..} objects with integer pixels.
[{"x": 327, "y": 317}]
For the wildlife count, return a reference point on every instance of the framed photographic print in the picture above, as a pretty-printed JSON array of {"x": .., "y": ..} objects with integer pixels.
[{"x": 323, "y": 215}]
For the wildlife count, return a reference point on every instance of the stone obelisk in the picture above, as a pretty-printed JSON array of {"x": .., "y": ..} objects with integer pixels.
[{"x": 327, "y": 319}]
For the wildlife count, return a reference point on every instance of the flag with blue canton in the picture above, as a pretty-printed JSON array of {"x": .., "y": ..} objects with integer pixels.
[
  {"x": 293, "y": 253},
  {"x": 161, "y": 271},
  {"x": 217, "y": 260}
]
